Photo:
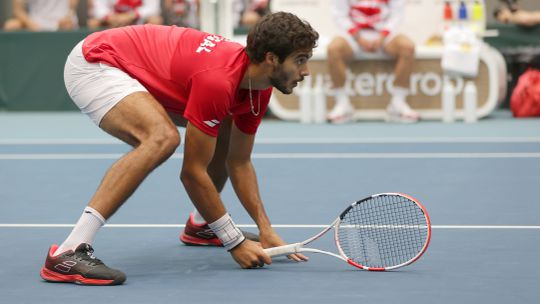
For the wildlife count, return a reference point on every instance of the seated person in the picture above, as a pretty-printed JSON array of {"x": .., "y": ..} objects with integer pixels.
[
  {"x": 39, "y": 15},
  {"x": 370, "y": 27},
  {"x": 518, "y": 16},
  {"x": 248, "y": 12},
  {"x": 117, "y": 13},
  {"x": 184, "y": 13}
]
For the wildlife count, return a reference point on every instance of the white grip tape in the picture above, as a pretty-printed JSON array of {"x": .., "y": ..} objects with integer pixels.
[
  {"x": 227, "y": 232},
  {"x": 283, "y": 250}
]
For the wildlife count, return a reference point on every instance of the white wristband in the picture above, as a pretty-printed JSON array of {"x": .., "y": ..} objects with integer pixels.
[{"x": 227, "y": 232}]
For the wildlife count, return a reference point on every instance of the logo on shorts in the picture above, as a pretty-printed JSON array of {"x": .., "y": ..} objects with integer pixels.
[{"x": 211, "y": 123}]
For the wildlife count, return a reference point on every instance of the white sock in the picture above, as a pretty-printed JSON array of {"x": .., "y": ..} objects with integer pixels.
[
  {"x": 399, "y": 96},
  {"x": 84, "y": 232},
  {"x": 197, "y": 218},
  {"x": 342, "y": 98}
]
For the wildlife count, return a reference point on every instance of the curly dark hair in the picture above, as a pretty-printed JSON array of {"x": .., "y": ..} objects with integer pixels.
[{"x": 280, "y": 33}]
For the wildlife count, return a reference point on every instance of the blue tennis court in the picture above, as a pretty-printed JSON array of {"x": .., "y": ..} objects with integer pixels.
[{"x": 478, "y": 182}]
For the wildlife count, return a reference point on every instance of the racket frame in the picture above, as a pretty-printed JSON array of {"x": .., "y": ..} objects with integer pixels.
[{"x": 299, "y": 247}]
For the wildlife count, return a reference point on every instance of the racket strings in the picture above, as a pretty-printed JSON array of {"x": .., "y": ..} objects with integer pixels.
[{"x": 383, "y": 231}]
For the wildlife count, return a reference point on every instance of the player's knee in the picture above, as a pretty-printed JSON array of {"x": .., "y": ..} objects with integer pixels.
[
  {"x": 165, "y": 141},
  {"x": 335, "y": 49},
  {"x": 407, "y": 49}
]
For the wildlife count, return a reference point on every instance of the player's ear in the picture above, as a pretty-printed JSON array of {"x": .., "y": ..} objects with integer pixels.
[{"x": 271, "y": 59}]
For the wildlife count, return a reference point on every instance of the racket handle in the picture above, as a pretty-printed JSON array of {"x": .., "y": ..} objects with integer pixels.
[{"x": 283, "y": 250}]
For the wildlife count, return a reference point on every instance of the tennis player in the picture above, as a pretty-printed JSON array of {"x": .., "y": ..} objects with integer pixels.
[{"x": 138, "y": 83}]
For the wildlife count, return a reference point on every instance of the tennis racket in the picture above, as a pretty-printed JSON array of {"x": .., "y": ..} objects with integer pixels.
[{"x": 381, "y": 232}]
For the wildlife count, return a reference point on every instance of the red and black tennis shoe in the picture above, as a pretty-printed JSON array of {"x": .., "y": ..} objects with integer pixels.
[
  {"x": 201, "y": 235},
  {"x": 79, "y": 267}
]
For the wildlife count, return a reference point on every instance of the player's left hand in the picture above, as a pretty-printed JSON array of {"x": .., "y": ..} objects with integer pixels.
[{"x": 272, "y": 239}]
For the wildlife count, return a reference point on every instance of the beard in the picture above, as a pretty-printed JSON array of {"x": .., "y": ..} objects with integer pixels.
[{"x": 279, "y": 80}]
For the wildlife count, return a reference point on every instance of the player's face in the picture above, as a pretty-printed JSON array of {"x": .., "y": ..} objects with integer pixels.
[{"x": 288, "y": 74}]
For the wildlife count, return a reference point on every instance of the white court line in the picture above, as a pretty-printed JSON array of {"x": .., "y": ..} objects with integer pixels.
[
  {"x": 254, "y": 226},
  {"x": 94, "y": 156},
  {"x": 282, "y": 141}
]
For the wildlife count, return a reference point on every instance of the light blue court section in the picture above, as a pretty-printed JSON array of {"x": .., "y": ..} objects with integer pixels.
[
  {"x": 74, "y": 125},
  {"x": 467, "y": 176}
]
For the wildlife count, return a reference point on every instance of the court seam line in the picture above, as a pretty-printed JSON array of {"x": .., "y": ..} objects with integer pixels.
[
  {"x": 97, "y": 156},
  {"x": 255, "y": 226},
  {"x": 293, "y": 140}
]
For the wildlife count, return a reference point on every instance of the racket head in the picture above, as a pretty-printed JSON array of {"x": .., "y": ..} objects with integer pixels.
[{"x": 382, "y": 232}]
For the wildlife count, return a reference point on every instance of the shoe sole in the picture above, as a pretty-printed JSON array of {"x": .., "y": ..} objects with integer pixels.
[
  {"x": 343, "y": 119},
  {"x": 193, "y": 241},
  {"x": 51, "y": 276}
]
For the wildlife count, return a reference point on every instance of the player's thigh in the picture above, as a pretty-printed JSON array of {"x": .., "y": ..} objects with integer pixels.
[
  {"x": 340, "y": 47},
  {"x": 178, "y": 119},
  {"x": 139, "y": 117},
  {"x": 399, "y": 45},
  {"x": 223, "y": 139},
  {"x": 117, "y": 103}
]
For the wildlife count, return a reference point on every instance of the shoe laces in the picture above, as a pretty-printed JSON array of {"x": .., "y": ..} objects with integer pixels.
[{"x": 87, "y": 255}]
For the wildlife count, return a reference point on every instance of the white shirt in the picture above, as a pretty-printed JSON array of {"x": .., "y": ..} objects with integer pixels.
[
  {"x": 47, "y": 13},
  {"x": 380, "y": 15},
  {"x": 147, "y": 9}
]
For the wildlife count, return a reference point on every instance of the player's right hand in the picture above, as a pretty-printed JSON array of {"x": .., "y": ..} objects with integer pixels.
[{"x": 250, "y": 254}]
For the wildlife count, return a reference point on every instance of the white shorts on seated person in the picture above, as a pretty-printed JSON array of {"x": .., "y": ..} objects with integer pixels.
[
  {"x": 96, "y": 87},
  {"x": 368, "y": 35}
]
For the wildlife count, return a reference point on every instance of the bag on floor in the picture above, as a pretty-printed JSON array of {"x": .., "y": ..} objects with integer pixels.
[{"x": 525, "y": 100}]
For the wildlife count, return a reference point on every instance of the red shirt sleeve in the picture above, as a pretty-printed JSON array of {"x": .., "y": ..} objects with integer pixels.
[
  {"x": 208, "y": 103},
  {"x": 247, "y": 122}
]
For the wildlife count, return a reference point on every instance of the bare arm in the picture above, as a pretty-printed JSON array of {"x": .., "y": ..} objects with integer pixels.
[
  {"x": 520, "y": 17},
  {"x": 20, "y": 13},
  {"x": 73, "y": 6},
  {"x": 244, "y": 181},
  {"x": 198, "y": 152},
  {"x": 68, "y": 21},
  {"x": 526, "y": 18}
]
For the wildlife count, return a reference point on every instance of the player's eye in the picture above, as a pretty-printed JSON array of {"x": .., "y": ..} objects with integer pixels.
[{"x": 301, "y": 61}]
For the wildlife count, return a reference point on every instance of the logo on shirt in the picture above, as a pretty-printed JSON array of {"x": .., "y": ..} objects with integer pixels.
[
  {"x": 211, "y": 123},
  {"x": 209, "y": 43}
]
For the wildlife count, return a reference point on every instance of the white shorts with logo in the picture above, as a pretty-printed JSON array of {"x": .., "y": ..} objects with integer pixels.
[{"x": 96, "y": 87}]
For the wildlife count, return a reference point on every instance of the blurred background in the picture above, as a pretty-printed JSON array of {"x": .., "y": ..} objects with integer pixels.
[{"x": 32, "y": 57}]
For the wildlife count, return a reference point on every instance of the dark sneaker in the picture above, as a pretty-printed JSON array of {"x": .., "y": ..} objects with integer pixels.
[
  {"x": 79, "y": 267},
  {"x": 202, "y": 235}
]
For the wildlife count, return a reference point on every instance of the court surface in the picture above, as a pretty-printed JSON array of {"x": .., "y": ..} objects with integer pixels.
[{"x": 479, "y": 183}]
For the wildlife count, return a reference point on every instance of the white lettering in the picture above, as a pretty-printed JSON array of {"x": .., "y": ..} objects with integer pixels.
[
  {"x": 415, "y": 78},
  {"x": 364, "y": 84},
  {"x": 367, "y": 84},
  {"x": 379, "y": 79},
  {"x": 209, "y": 43},
  {"x": 200, "y": 49},
  {"x": 431, "y": 90},
  {"x": 390, "y": 84}
]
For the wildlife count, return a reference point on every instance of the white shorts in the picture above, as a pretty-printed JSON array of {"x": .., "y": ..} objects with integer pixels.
[
  {"x": 369, "y": 35},
  {"x": 96, "y": 87}
]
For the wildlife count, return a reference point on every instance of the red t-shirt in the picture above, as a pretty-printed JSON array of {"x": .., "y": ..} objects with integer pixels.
[{"x": 189, "y": 72}]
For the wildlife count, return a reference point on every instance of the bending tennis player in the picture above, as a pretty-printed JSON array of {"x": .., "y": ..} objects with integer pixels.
[{"x": 138, "y": 83}]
